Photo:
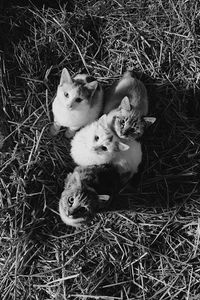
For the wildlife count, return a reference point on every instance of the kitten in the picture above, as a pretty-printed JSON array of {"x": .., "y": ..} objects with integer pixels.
[
  {"x": 78, "y": 101},
  {"x": 130, "y": 87},
  {"x": 97, "y": 144},
  {"x": 82, "y": 196},
  {"x": 127, "y": 122}
]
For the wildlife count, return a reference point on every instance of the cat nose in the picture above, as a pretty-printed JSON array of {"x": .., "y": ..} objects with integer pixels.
[
  {"x": 79, "y": 212},
  {"x": 69, "y": 214},
  {"x": 96, "y": 148},
  {"x": 70, "y": 105}
]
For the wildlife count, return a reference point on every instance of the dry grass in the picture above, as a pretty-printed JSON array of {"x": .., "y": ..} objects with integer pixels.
[{"x": 149, "y": 248}]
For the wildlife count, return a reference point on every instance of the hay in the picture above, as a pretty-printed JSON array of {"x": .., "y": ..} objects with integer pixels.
[{"x": 149, "y": 249}]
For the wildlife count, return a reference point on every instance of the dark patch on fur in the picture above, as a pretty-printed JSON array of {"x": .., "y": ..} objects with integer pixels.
[
  {"x": 98, "y": 87},
  {"x": 85, "y": 91},
  {"x": 104, "y": 179},
  {"x": 79, "y": 82},
  {"x": 90, "y": 79}
]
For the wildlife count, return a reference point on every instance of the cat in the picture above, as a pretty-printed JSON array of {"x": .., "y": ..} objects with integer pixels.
[
  {"x": 82, "y": 196},
  {"x": 130, "y": 87},
  {"x": 78, "y": 101},
  {"x": 97, "y": 144},
  {"x": 127, "y": 122}
]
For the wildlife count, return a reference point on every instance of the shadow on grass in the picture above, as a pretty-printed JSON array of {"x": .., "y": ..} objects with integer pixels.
[{"x": 169, "y": 173}]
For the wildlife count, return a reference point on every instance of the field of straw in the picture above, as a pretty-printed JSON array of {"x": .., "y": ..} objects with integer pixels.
[{"x": 148, "y": 248}]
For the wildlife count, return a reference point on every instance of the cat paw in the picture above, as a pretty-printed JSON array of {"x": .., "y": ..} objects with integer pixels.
[
  {"x": 69, "y": 133},
  {"x": 54, "y": 130},
  {"x": 78, "y": 222}
]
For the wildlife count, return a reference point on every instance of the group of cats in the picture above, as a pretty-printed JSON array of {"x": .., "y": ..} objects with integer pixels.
[{"x": 104, "y": 127}]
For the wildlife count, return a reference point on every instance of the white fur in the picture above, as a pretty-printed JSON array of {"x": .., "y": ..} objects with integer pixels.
[
  {"x": 82, "y": 147},
  {"x": 84, "y": 153},
  {"x": 74, "y": 115},
  {"x": 129, "y": 160},
  {"x": 74, "y": 119}
]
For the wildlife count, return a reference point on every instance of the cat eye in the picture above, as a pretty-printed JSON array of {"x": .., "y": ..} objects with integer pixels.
[
  {"x": 78, "y": 100},
  {"x": 96, "y": 138},
  {"x": 104, "y": 148},
  {"x": 70, "y": 201},
  {"x": 66, "y": 94}
]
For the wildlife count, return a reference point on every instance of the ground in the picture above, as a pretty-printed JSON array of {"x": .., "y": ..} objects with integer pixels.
[{"x": 149, "y": 247}]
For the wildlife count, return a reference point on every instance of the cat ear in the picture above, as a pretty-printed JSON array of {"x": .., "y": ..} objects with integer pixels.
[
  {"x": 149, "y": 120},
  {"x": 103, "y": 199},
  {"x": 125, "y": 103},
  {"x": 103, "y": 121},
  {"x": 65, "y": 77},
  {"x": 91, "y": 85},
  {"x": 67, "y": 179},
  {"x": 122, "y": 146},
  {"x": 77, "y": 179}
]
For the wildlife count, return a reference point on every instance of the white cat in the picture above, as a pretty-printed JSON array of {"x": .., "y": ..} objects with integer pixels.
[
  {"x": 78, "y": 101},
  {"x": 96, "y": 144}
]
